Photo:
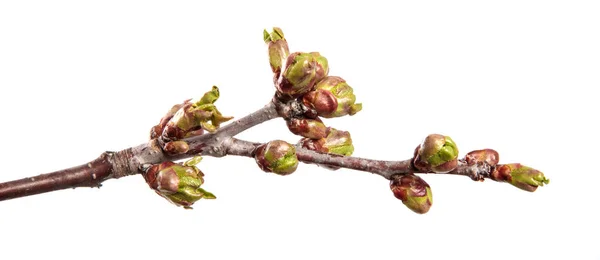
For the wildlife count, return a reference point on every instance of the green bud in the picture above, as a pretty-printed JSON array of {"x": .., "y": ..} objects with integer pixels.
[
  {"x": 413, "y": 191},
  {"x": 437, "y": 153},
  {"x": 520, "y": 176},
  {"x": 336, "y": 142},
  {"x": 275, "y": 35},
  {"x": 277, "y": 156},
  {"x": 278, "y": 50},
  {"x": 192, "y": 118},
  {"x": 299, "y": 74},
  {"x": 332, "y": 97},
  {"x": 309, "y": 128},
  {"x": 178, "y": 183}
]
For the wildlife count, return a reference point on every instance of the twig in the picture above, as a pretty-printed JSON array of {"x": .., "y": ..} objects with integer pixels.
[
  {"x": 385, "y": 169},
  {"x": 130, "y": 161}
]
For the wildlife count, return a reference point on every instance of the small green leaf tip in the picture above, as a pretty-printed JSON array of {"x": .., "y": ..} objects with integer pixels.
[
  {"x": 277, "y": 156},
  {"x": 178, "y": 183},
  {"x": 209, "y": 97},
  {"x": 266, "y": 36},
  {"x": 275, "y": 35},
  {"x": 520, "y": 176},
  {"x": 278, "y": 51},
  {"x": 437, "y": 153},
  {"x": 413, "y": 191}
]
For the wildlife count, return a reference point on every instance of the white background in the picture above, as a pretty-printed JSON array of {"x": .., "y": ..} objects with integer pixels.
[{"x": 78, "y": 78}]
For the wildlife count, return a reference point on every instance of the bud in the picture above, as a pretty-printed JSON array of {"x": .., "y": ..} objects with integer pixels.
[
  {"x": 176, "y": 147},
  {"x": 309, "y": 128},
  {"x": 332, "y": 97},
  {"x": 413, "y": 191},
  {"x": 300, "y": 73},
  {"x": 192, "y": 118},
  {"x": 489, "y": 156},
  {"x": 277, "y": 156},
  {"x": 520, "y": 176},
  {"x": 437, "y": 153},
  {"x": 179, "y": 184},
  {"x": 157, "y": 130},
  {"x": 278, "y": 50},
  {"x": 336, "y": 142}
]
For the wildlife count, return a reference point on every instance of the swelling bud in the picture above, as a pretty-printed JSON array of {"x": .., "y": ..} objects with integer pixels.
[
  {"x": 413, "y": 191},
  {"x": 277, "y": 156}
]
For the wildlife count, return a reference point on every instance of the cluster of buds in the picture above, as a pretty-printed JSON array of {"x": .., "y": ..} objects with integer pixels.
[
  {"x": 303, "y": 77},
  {"x": 518, "y": 175},
  {"x": 179, "y": 183},
  {"x": 439, "y": 153},
  {"x": 189, "y": 119}
]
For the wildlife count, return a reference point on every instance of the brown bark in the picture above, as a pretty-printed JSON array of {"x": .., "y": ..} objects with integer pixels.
[
  {"x": 385, "y": 169},
  {"x": 112, "y": 165},
  {"x": 134, "y": 160},
  {"x": 86, "y": 175}
]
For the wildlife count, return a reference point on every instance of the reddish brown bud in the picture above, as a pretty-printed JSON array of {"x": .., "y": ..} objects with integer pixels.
[
  {"x": 413, "y": 191},
  {"x": 157, "y": 130},
  {"x": 322, "y": 101},
  {"x": 489, "y": 156},
  {"x": 176, "y": 147},
  {"x": 152, "y": 172},
  {"x": 178, "y": 183},
  {"x": 337, "y": 142},
  {"x": 168, "y": 182},
  {"x": 309, "y": 128},
  {"x": 332, "y": 97}
]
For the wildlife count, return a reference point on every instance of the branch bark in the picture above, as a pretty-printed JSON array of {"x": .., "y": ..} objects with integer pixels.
[
  {"x": 113, "y": 165},
  {"x": 385, "y": 169},
  {"x": 130, "y": 161}
]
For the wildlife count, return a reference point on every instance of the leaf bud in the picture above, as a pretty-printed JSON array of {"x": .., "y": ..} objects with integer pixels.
[
  {"x": 332, "y": 97},
  {"x": 277, "y": 156},
  {"x": 413, "y": 191}
]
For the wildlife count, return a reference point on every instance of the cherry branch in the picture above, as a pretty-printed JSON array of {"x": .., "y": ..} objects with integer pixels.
[{"x": 305, "y": 93}]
